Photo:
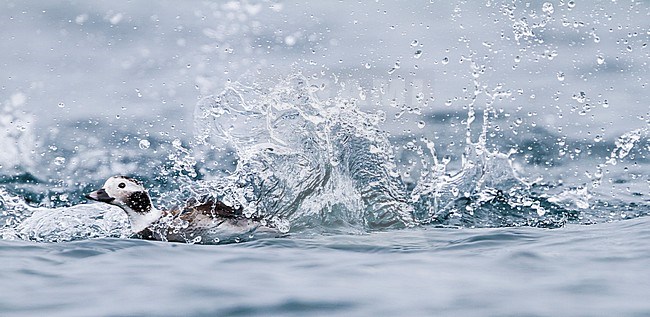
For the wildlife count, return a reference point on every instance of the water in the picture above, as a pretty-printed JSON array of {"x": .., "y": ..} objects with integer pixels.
[
  {"x": 461, "y": 158},
  {"x": 580, "y": 270}
]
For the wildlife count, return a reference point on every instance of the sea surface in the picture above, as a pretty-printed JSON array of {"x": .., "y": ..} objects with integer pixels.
[
  {"x": 419, "y": 158},
  {"x": 574, "y": 271}
]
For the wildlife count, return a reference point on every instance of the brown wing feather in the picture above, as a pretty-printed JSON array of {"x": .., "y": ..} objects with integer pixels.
[{"x": 212, "y": 208}]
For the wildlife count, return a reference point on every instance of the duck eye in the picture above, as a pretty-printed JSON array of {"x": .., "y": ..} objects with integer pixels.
[{"x": 121, "y": 185}]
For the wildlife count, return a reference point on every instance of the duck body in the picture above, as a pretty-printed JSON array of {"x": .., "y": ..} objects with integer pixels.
[{"x": 204, "y": 220}]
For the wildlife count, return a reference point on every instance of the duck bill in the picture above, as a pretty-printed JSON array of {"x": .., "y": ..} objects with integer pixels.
[{"x": 100, "y": 195}]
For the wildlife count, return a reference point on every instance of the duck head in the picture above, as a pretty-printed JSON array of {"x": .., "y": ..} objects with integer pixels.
[{"x": 130, "y": 195}]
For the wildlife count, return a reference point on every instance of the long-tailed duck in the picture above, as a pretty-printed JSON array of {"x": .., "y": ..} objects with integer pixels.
[{"x": 198, "y": 218}]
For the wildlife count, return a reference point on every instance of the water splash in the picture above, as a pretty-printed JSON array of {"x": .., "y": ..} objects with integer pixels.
[
  {"x": 625, "y": 143},
  {"x": 326, "y": 164},
  {"x": 314, "y": 163},
  {"x": 14, "y": 209},
  {"x": 84, "y": 221},
  {"x": 17, "y": 139},
  {"x": 302, "y": 164}
]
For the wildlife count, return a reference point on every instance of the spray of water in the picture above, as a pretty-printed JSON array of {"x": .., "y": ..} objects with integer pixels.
[{"x": 303, "y": 164}]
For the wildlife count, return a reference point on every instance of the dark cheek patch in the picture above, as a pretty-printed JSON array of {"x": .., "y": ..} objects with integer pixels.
[{"x": 139, "y": 202}]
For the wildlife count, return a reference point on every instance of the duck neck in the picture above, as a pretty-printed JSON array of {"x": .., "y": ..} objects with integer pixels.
[{"x": 140, "y": 221}]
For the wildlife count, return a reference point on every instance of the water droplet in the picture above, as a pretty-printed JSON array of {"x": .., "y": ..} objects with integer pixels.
[
  {"x": 144, "y": 144},
  {"x": 188, "y": 66},
  {"x": 117, "y": 116},
  {"x": 290, "y": 40},
  {"x": 580, "y": 97},
  {"x": 80, "y": 19},
  {"x": 394, "y": 68},
  {"x": 448, "y": 102},
  {"x": 600, "y": 60},
  {"x": 367, "y": 65},
  {"x": 598, "y": 138},
  {"x": 59, "y": 160},
  {"x": 115, "y": 19},
  {"x": 517, "y": 59},
  {"x": 414, "y": 43},
  {"x": 445, "y": 61},
  {"x": 547, "y": 7},
  {"x": 61, "y": 105},
  {"x": 417, "y": 54},
  {"x": 560, "y": 76},
  {"x": 421, "y": 124},
  {"x": 571, "y": 4}
]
